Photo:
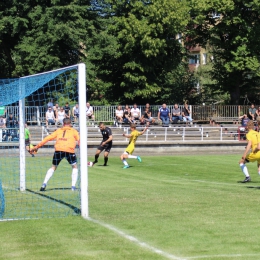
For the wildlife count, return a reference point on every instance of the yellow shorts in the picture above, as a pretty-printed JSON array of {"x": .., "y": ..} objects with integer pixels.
[
  {"x": 252, "y": 157},
  {"x": 130, "y": 149}
]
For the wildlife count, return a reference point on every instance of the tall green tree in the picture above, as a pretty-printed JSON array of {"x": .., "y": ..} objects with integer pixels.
[
  {"x": 41, "y": 35},
  {"x": 231, "y": 28},
  {"x": 138, "y": 48}
]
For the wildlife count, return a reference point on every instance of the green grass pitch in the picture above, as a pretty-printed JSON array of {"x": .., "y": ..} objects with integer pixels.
[{"x": 185, "y": 207}]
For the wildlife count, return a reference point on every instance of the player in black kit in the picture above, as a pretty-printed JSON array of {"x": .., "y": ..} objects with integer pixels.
[{"x": 106, "y": 143}]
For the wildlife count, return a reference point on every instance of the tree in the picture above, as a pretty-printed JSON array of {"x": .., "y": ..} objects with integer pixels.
[
  {"x": 137, "y": 48},
  {"x": 231, "y": 28},
  {"x": 42, "y": 35}
]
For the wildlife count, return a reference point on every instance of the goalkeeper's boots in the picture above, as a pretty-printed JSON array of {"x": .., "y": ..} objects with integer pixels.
[
  {"x": 247, "y": 179},
  {"x": 43, "y": 187},
  {"x": 139, "y": 159},
  {"x": 126, "y": 166}
]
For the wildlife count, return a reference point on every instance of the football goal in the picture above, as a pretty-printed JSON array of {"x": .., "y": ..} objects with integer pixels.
[{"x": 38, "y": 104}]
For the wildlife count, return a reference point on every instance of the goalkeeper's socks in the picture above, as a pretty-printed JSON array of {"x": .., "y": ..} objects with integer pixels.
[
  {"x": 244, "y": 169},
  {"x": 48, "y": 175},
  {"x": 74, "y": 177}
]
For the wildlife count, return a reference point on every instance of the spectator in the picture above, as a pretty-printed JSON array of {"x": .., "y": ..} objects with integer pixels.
[
  {"x": 186, "y": 113},
  {"x": 242, "y": 129},
  {"x": 11, "y": 121},
  {"x": 67, "y": 110},
  {"x": 56, "y": 109},
  {"x": 164, "y": 115},
  {"x": 75, "y": 112},
  {"x": 135, "y": 112},
  {"x": 89, "y": 111},
  {"x": 176, "y": 114},
  {"x": 258, "y": 114},
  {"x": 252, "y": 112},
  {"x": 119, "y": 115},
  {"x": 60, "y": 116},
  {"x": 3, "y": 111},
  {"x": 2, "y": 122},
  {"x": 244, "y": 120},
  {"x": 50, "y": 118},
  {"x": 127, "y": 115},
  {"x": 146, "y": 117},
  {"x": 50, "y": 104}
]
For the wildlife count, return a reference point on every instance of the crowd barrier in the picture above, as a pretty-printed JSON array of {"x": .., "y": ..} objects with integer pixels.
[{"x": 203, "y": 113}]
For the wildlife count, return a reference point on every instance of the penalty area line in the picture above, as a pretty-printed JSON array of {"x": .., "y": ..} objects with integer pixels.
[
  {"x": 221, "y": 256},
  {"x": 136, "y": 241}
]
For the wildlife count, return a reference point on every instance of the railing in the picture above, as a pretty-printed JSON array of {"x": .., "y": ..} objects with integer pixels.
[
  {"x": 36, "y": 114},
  {"x": 197, "y": 133},
  {"x": 170, "y": 134}
]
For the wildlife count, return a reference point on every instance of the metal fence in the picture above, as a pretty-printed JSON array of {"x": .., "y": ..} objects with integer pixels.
[{"x": 36, "y": 114}]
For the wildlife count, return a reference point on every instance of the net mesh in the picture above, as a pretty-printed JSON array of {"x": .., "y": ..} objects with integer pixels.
[{"x": 58, "y": 200}]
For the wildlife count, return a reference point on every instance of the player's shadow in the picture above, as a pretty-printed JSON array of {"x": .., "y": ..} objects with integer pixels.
[
  {"x": 253, "y": 187},
  {"x": 75, "y": 209}
]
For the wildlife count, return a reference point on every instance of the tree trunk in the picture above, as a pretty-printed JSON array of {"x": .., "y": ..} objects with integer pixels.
[{"x": 234, "y": 95}]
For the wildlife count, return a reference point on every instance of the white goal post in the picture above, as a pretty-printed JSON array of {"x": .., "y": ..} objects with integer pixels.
[{"x": 81, "y": 68}]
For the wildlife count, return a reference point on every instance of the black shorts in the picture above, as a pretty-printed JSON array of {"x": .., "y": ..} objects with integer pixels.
[
  {"x": 107, "y": 147},
  {"x": 58, "y": 156},
  {"x": 27, "y": 142}
]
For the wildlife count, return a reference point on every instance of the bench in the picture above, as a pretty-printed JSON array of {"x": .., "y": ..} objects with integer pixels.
[{"x": 225, "y": 119}]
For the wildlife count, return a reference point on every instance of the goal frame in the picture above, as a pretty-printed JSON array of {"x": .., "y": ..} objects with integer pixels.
[{"x": 81, "y": 67}]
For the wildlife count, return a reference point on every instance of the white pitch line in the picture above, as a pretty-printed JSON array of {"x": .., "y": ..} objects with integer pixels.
[
  {"x": 137, "y": 241},
  {"x": 161, "y": 252},
  {"x": 222, "y": 256}
]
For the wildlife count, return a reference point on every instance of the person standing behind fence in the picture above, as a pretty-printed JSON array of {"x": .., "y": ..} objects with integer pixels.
[
  {"x": 50, "y": 104},
  {"x": 67, "y": 110}
]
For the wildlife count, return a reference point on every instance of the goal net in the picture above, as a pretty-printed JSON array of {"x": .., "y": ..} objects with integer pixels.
[{"x": 38, "y": 103}]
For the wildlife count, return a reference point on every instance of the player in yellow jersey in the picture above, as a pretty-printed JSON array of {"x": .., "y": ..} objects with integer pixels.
[
  {"x": 66, "y": 138},
  {"x": 131, "y": 146},
  {"x": 253, "y": 139}
]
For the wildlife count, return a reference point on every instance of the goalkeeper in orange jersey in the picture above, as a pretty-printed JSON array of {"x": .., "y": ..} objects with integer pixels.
[
  {"x": 253, "y": 146},
  {"x": 66, "y": 138}
]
